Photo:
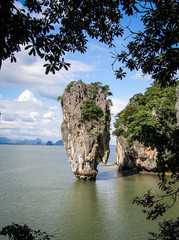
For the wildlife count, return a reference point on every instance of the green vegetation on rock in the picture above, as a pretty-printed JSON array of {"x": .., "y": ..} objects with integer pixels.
[
  {"x": 145, "y": 111},
  {"x": 59, "y": 98},
  {"x": 90, "y": 111},
  {"x": 71, "y": 84},
  {"x": 93, "y": 113}
]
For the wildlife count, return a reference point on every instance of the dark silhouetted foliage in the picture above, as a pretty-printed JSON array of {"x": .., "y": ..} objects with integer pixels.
[
  {"x": 49, "y": 28},
  {"x": 153, "y": 50},
  {"x": 23, "y": 232},
  {"x": 169, "y": 230},
  {"x": 64, "y": 26}
]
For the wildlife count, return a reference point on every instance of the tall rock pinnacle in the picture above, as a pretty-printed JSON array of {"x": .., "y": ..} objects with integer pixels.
[{"x": 86, "y": 127}]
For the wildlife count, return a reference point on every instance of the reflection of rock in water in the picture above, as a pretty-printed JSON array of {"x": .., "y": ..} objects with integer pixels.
[{"x": 85, "y": 129}]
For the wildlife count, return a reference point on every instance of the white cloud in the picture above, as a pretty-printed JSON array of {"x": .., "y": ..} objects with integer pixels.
[
  {"x": 34, "y": 115},
  {"x": 118, "y": 105},
  {"x": 27, "y": 96},
  {"x": 96, "y": 47},
  {"x": 78, "y": 66},
  {"x": 48, "y": 115},
  {"x": 29, "y": 73},
  {"x": 29, "y": 119},
  {"x": 54, "y": 108},
  {"x": 139, "y": 75}
]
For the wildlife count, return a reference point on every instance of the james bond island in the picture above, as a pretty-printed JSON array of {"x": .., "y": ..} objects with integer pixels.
[{"x": 86, "y": 127}]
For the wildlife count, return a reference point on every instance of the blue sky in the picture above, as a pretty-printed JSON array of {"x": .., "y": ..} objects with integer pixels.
[{"x": 28, "y": 103}]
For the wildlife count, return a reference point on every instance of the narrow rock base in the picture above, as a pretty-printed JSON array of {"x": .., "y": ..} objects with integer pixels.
[{"x": 85, "y": 178}]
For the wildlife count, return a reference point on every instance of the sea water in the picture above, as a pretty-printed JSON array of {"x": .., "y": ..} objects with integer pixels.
[{"x": 38, "y": 188}]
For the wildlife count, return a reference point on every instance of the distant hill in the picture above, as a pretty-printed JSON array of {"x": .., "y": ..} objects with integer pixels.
[
  {"x": 59, "y": 143},
  {"x": 49, "y": 143},
  {"x": 38, "y": 141},
  {"x": 4, "y": 140}
]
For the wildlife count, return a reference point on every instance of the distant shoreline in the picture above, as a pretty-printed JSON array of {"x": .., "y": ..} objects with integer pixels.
[{"x": 37, "y": 141}]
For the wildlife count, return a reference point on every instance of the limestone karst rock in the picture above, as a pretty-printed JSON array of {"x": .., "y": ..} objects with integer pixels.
[
  {"x": 147, "y": 124},
  {"x": 138, "y": 157},
  {"x": 86, "y": 127}
]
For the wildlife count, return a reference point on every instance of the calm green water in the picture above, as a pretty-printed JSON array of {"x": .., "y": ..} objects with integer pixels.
[{"x": 38, "y": 188}]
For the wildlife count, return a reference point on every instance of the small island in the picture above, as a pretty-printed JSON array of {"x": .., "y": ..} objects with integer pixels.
[{"x": 86, "y": 127}]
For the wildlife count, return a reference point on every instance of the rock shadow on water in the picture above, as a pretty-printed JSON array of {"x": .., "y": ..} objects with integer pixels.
[
  {"x": 128, "y": 172},
  {"x": 111, "y": 173}
]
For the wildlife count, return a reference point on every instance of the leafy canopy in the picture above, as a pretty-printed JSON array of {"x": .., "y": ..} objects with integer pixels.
[
  {"x": 145, "y": 112},
  {"x": 169, "y": 230},
  {"x": 49, "y": 28},
  {"x": 153, "y": 50}
]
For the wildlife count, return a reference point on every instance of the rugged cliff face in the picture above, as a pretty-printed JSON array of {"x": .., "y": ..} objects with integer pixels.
[
  {"x": 86, "y": 127},
  {"x": 138, "y": 157},
  {"x": 150, "y": 118}
]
